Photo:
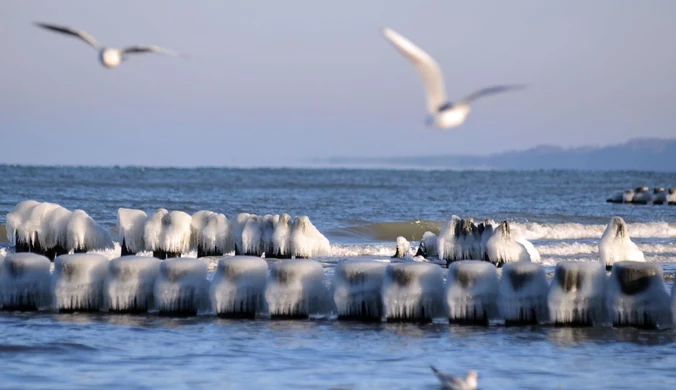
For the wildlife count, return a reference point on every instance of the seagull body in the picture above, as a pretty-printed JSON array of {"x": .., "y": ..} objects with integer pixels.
[
  {"x": 451, "y": 382},
  {"x": 442, "y": 113},
  {"x": 108, "y": 56}
]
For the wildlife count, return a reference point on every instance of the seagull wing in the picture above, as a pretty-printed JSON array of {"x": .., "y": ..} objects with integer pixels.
[
  {"x": 449, "y": 381},
  {"x": 491, "y": 90},
  {"x": 150, "y": 49},
  {"x": 70, "y": 31},
  {"x": 425, "y": 65}
]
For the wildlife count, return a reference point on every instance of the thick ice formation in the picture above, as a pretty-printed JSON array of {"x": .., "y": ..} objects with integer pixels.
[
  {"x": 428, "y": 246},
  {"x": 471, "y": 292},
  {"x": 465, "y": 243},
  {"x": 168, "y": 234},
  {"x": 252, "y": 237},
  {"x": 238, "y": 287},
  {"x": 84, "y": 234},
  {"x": 659, "y": 195},
  {"x": 447, "y": 239},
  {"x": 17, "y": 233},
  {"x": 214, "y": 239},
  {"x": 181, "y": 287},
  {"x": 55, "y": 239},
  {"x": 77, "y": 283},
  {"x": 403, "y": 248},
  {"x": 616, "y": 197},
  {"x": 295, "y": 289},
  {"x": 522, "y": 293},
  {"x": 25, "y": 282},
  {"x": 502, "y": 248},
  {"x": 628, "y": 196},
  {"x": 198, "y": 222},
  {"x": 130, "y": 228},
  {"x": 533, "y": 254},
  {"x": 413, "y": 292},
  {"x": 671, "y": 196},
  {"x": 281, "y": 246},
  {"x": 237, "y": 228},
  {"x": 616, "y": 245},
  {"x": 642, "y": 195},
  {"x": 486, "y": 234},
  {"x": 577, "y": 294},
  {"x": 269, "y": 223},
  {"x": 637, "y": 296},
  {"x": 356, "y": 289},
  {"x": 130, "y": 283},
  {"x": 306, "y": 241},
  {"x": 36, "y": 226},
  {"x": 152, "y": 231}
]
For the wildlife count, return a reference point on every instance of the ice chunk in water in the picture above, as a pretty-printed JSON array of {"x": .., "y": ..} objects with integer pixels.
[
  {"x": 637, "y": 296},
  {"x": 616, "y": 245},
  {"x": 403, "y": 248},
  {"x": 77, "y": 283},
  {"x": 130, "y": 226},
  {"x": 25, "y": 282},
  {"x": 472, "y": 292},
  {"x": 181, "y": 287},
  {"x": 522, "y": 293},
  {"x": 238, "y": 287},
  {"x": 130, "y": 283},
  {"x": 413, "y": 292},
  {"x": 356, "y": 289},
  {"x": 295, "y": 289},
  {"x": 576, "y": 296}
]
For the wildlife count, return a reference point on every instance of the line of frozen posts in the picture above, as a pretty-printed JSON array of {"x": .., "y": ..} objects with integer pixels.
[
  {"x": 643, "y": 195},
  {"x": 580, "y": 293}
]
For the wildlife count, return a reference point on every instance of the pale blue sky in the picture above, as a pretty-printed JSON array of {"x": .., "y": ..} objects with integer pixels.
[{"x": 275, "y": 82}]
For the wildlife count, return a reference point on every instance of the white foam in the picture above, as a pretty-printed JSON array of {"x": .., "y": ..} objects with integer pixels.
[
  {"x": 616, "y": 245},
  {"x": 16, "y": 220},
  {"x": 447, "y": 239},
  {"x": 214, "y": 239},
  {"x": 428, "y": 246},
  {"x": 77, "y": 283},
  {"x": 522, "y": 293},
  {"x": 413, "y": 292},
  {"x": 577, "y": 293},
  {"x": 238, "y": 287},
  {"x": 130, "y": 283},
  {"x": 25, "y": 282},
  {"x": 281, "y": 247},
  {"x": 471, "y": 292},
  {"x": 295, "y": 288},
  {"x": 84, "y": 234},
  {"x": 502, "y": 247},
  {"x": 152, "y": 230},
  {"x": 403, "y": 248},
  {"x": 306, "y": 241},
  {"x": 637, "y": 296},
  {"x": 130, "y": 228},
  {"x": 181, "y": 286},
  {"x": 356, "y": 289},
  {"x": 570, "y": 231}
]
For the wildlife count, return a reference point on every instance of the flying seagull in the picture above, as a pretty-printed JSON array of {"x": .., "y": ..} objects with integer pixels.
[
  {"x": 451, "y": 382},
  {"x": 442, "y": 113},
  {"x": 109, "y": 57}
]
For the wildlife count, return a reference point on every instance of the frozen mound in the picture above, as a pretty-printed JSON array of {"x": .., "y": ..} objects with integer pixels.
[
  {"x": 448, "y": 238},
  {"x": 295, "y": 289},
  {"x": 486, "y": 234},
  {"x": 17, "y": 234},
  {"x": 176, "y": 234},
  {"x": 237, "y": 228},
  {"x": 522, "y": 294},
  {"x": 503, "y": 248},
  {"x": 36, "y": 227},
  {"x": 130, "y": 283},
  {"x": 252, "y": 237},
  {"x": 577, "y": 294},
  {"x": 659, "y": 195},
  {"x": 198, "y": 222},
  {"x": 356, "y": 289},
  {"x": 181, "y": 288},
  {"x": 25, "y": 282},
  {"x": 55, "y": 239},
  {"x": 152, "y": 231},
  {"x": 637, "y": 296},
  {"x": 472, "y": 292},
  {"x": 466, "y": 246},
  {"x": 628, "y": 196},
  {"x": 616, "y": 197},
  {"x": 214, "y": 239},
  {"x": 642, "y": 195},
  {"x": 403, "y": 248},
  {"x": 671, "y": 196},
  {"x": 413, "y": 292},
  {"x": 84, "y": 234},
  {"x": 428, "y": 246},
  {"x": 130, "y": 229},
  {"x": 533, "y": 254},
  {"x": 306, "y": 241},
  {"x": 616, "y": 245},
  {"x": 269, "y": 223},
  {"x": 238, "y": 287},
  {"x": 281, "y": 247},
  {"x": 77, "y": 283}
]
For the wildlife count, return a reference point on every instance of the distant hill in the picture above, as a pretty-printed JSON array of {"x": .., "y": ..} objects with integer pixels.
[{"x": 642, "y": 154}]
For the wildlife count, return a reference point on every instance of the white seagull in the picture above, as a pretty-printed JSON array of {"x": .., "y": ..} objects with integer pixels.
[
  {"x": 451, "y": 382},
  {"x": 110, "y": 57},
  {"x": 442, "y": 113}
]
